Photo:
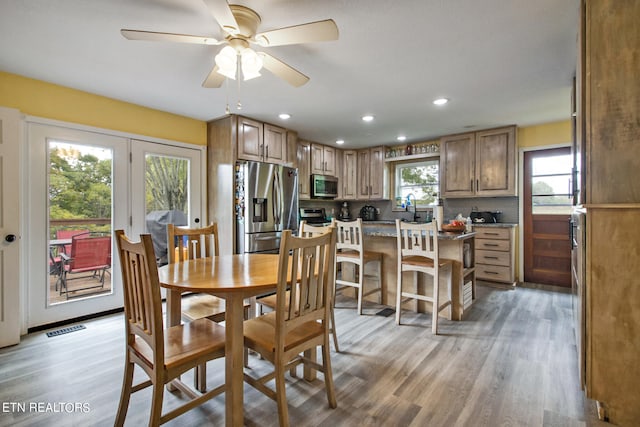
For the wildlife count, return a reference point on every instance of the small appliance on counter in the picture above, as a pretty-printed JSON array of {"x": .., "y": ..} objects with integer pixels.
[
  {"x": 368, "y": 213},
  {"x": 485, "y": 217},
  {"x": 314, "y": 216},
  {"x": 345, "y": 214}
]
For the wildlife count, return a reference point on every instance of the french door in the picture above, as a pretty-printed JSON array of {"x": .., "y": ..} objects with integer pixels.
[{"x": 83, "y": 183}]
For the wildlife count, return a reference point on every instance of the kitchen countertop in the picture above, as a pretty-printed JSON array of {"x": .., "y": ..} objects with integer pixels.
[
  {"x": 495, "y": 224},
  {"x": 383, "y": 229}
]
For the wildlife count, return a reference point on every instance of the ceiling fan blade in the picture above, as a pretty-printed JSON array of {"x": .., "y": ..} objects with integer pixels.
[
  {"x": 214, "y": 79},
  {"x": 284, "y": 71},
  {"x": 168, "y": 37},
  {"x": 222, "y": 13},
  {"x": 318, "y": 31}
]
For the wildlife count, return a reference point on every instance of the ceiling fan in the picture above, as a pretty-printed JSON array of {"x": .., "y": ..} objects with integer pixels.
[{"x": 239, "y": 25}]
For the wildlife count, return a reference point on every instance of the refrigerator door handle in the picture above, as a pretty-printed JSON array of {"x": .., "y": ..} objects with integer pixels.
[{"x": 277, "y": 199}]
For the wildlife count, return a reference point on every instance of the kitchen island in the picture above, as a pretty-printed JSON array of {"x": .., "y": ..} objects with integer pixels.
[{"x": 380, "y": 236}]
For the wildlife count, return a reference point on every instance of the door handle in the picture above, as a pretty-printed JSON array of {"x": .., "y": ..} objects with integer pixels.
[{"x": 10, "y": 238}]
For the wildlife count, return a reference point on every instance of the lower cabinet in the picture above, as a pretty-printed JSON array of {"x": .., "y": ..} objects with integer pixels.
[{"x": 495, "y": 253}]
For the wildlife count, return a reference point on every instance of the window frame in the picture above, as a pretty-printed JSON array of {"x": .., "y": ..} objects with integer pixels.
[{"x": 435, "y": 161}]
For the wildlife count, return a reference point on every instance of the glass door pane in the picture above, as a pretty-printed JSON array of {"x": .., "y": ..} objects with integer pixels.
[
  {"x": 169, "y": 177},
  {"x": 80, "y": 206}
]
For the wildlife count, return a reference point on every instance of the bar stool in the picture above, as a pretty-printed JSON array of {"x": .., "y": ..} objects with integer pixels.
[
  {"x": 350, "y": 250},
  {"x": 418, "y": 252}
]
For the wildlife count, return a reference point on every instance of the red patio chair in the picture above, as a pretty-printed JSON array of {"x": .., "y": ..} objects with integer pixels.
[{"x": 88, "y": 253}]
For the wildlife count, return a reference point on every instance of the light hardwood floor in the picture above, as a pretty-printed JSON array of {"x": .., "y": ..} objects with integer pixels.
[{"x": 511, "y": 362}]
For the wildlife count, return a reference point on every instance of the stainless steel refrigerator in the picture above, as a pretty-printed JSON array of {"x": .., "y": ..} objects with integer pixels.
[{"x": 266, "y": 203}]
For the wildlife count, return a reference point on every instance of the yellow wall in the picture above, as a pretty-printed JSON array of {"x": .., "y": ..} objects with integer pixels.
[
  {"x": 41, "y": 99},
  {"x": 546, "y": 134}
]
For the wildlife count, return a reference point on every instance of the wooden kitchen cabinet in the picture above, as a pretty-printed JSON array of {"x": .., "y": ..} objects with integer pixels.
[
  {"x": 371, "y": 174},
  {"x": 261, "y": 142},
  {"x": 303, "y": 160},
  {"x": 479, "y": 164},
  {"x": 349, "y": 174},
  {"x": 495, "y": 254},
  {"x": 323, "y": 160},
  {"x": 608, "y": 131}
]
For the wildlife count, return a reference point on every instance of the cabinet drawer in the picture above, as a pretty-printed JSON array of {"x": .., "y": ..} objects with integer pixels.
[
  {"x": 492, "y": 233},
  {"x": 494, "y": 272},
  {"x": 493, "y": 245},
  {"x": 493, "y": 258}
]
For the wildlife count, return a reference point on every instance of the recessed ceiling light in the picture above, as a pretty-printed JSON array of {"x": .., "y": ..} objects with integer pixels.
[
  {"x": 401, "y": 138},
  {"x": 440, "y": 101},
  {"x": 340, "y": 141},
  {"x": 285, "y": 116},
  {"x": 367, "y": 118}
]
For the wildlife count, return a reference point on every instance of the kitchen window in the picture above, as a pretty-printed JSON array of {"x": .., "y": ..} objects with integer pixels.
[{"x": 419, "y": 178}]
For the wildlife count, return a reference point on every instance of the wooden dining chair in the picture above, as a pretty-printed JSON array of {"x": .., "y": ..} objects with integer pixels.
[
  {"x": 183, "y": 244},
  {"x": 300, "y": 322},
  {"x": 163, "y": 354},
  {"x": 307, "y": 230},
  {"x": 350, "y": 250},
  {"x": 418, "y": 253}
]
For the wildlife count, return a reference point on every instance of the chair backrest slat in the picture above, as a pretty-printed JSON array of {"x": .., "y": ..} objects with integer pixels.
[
  {"x": 142, "y": 300},
  {"x": 417, "y": 239},
  {"x": 190, "y": 243},
  {"x": 349, "y": 237},
  {"x": 311, "y": 260}
]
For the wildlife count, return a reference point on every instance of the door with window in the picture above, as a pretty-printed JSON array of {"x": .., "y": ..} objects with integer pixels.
[
  {"x": 165, "y": 189},
  {"x": 547, "y": 209},
  {"x": 82, "y": 186}
]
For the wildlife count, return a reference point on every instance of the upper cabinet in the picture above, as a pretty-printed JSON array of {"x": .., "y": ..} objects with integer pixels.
[
  {"x": 303, "y": 160},
  {"x": 261, "y": 142},
  {"x": 323, "y": 160},
  {"x": 371, "y": 174},
  {"x": 349, "y": 174},
  {"x": 479, "y": 164}
]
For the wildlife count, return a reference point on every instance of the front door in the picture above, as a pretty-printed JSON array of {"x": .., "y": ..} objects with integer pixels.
[
  {"x": 9, "y": 227},
  {"x": 547, "y": 209}
]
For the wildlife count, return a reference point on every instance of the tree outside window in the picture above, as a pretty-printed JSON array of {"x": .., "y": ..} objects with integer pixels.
[{"x": 420, "y": 179}]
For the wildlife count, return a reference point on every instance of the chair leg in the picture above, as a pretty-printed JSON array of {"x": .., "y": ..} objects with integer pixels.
[
  {"x": 281, "y": 396},
  {"x": 328, "y": 374},
  {"x": 156, "y": 403},
  {"x": 360, "y": 288},
  {"x": 399, "y": 295},
  {"x": 436, "y": 304},
  {"x": 333, "y": 329},
  {"x": 125, "y": 394}
]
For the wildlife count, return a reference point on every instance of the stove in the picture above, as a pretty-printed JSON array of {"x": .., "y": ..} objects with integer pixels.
[{"x": 313, "y": 215}]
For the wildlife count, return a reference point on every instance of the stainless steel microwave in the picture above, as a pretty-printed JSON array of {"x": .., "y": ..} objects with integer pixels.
[{"x": 324, "y": 186}]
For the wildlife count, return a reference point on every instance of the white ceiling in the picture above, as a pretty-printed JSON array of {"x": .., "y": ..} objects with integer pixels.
[{"x": 498, "y": 61}]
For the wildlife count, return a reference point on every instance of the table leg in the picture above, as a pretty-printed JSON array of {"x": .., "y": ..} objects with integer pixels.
[{"x": 234, "y": 360}]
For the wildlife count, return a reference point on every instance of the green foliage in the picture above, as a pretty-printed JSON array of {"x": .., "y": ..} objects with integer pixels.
[
  {"x": 166, "y": 183},
  {"x": 419, "y": 179},
  {"x": 79, "y": 186}
]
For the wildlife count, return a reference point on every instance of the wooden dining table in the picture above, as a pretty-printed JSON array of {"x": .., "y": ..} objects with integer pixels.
[{"x": 234, "y": 278}]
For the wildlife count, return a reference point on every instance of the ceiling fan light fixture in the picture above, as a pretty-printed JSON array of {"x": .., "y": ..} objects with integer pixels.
[
  {"x": 262, "y": 40},
  {"x": 251, "y": 64},
  {"x": 227, "y": 62},
  {"x": 440, "y": 101}
]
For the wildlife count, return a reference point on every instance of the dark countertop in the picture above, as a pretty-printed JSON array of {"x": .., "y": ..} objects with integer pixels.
[
  {"x": 387, "y": 229},
  {"x": 496, "y": 224}
]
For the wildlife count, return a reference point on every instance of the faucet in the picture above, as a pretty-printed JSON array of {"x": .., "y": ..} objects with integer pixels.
[{"x": 408, "y": 204}]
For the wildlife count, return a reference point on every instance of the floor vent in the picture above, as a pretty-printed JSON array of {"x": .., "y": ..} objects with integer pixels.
[
  {"x": 385, "y": 312},
  {"x": 65, "y": 330}
]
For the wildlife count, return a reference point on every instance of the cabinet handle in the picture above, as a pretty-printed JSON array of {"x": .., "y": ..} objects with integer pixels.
[
  {"x": 267, "y": 150},
  {"x": 491, "y": 272},
  {"x": 491, "y": 234},
  {"x": 477, "y": 185},
  {"x": 490, "y": 257},
  {"x": 491, "y": 244}
]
